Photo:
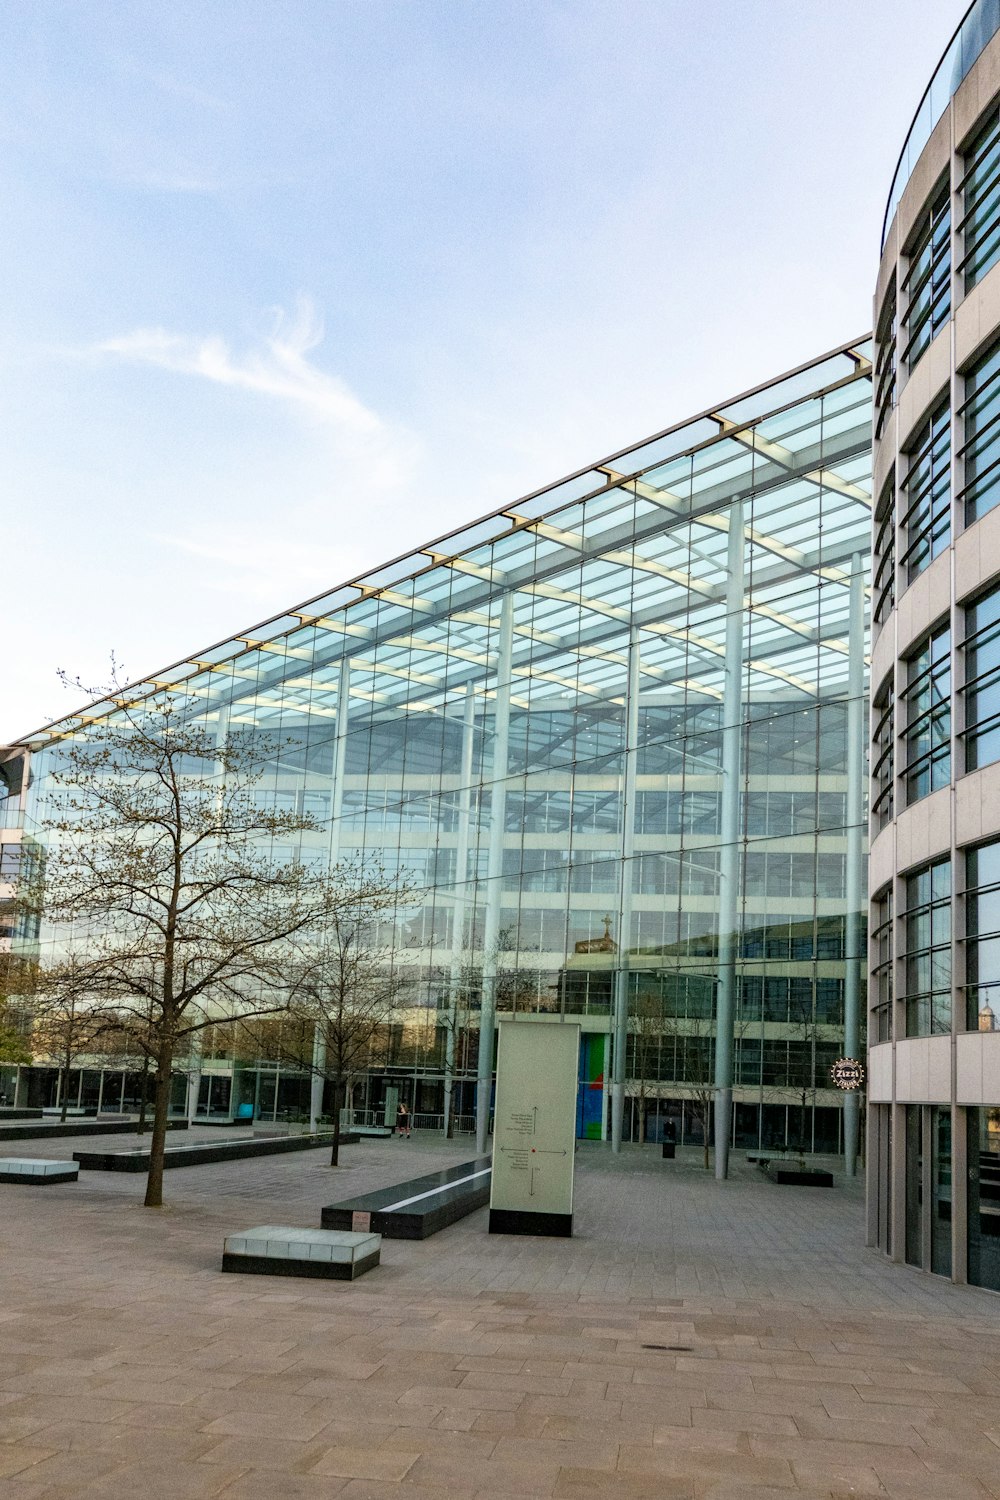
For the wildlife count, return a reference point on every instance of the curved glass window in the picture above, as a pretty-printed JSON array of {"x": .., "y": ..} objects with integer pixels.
[
  {"x": 928, "y": 718},
  {"x": 979, "y": 26},
  {"x": 982, "y": 938},
  {"x": 980, "y": 189},
  {"x": 927, "y": 521},
  {"x": 883, "y": 758},
  {"x": 885, "y": 361},
  {"x": 927, "y": 933},
  {"x": 926, "y": 288},
  {"x": 980, "y": 416},
  {"x": 884, "y": 558},
  {"x": 881, "y": 1022},
  {"x": 981, "y": 689}
]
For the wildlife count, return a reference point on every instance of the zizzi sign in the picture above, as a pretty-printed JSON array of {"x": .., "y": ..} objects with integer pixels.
[{"x": 848, "y": 1074}]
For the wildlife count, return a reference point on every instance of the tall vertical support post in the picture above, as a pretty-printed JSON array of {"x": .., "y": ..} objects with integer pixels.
[
  {"x": 460, "y": 909},
  {"x": 729, "y": 853},
  {"x": 339, "y": 757},
  {"x": 316, "y": 1083},
  {"x": 625, "y": 904},
  {"x": 194, "y": 1078},
  {"x": 854, "y": 925},
  {"x": 494, "y": 870}
]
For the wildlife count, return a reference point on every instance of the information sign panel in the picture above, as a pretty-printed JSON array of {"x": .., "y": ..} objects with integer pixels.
[{"x": 534, "y": 1129}]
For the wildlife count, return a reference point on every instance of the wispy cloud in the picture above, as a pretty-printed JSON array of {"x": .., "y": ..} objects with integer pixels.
[{"x": 279, "y": 368}]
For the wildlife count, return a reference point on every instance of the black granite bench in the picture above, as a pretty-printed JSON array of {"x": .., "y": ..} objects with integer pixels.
[
  {"x": 40, "y": 1131},
  {"x": 199, "y": 1154},
  {"x": 416, "y": 1209}
]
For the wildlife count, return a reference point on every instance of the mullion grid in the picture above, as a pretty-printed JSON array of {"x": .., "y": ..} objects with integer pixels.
[
  {"x": 981, "y": 685},
  {"x": 925, "y": 926},
  {"x": 927, "y": 735},
  {"x": 980, "y": 190},
  {"x": 982, "y": 947},
  {"x": 927, "y": 521},
  {"x": 926, "y": 287}
]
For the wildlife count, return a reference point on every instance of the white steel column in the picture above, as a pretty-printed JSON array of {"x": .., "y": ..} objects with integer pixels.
[
  {"x": 339, "y": 757},
  {"x": 494, "y": 870},
  {"x": 194, "y": 1077},
  {"x": 855, "y": 853},
  {"x": 459, "y": 917},
  {"x": 316, "y": 1085},
  {"x": 625, "y": 905},
  {"x": 729, "y": 853}
]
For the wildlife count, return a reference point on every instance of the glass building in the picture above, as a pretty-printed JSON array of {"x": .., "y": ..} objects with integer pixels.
[
  {"x": 615, "y": 733},
  {"x": 934, "y": 1061}
]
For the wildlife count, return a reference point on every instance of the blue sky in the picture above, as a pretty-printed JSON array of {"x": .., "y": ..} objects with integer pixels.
[{"x": 289, "y": 288}]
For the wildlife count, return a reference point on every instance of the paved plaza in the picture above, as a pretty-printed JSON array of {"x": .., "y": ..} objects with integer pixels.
[{"x": 692, "y": 1340}]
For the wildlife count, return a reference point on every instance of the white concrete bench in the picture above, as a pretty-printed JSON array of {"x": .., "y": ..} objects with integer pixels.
[
  {"x": 280, "y": 1250},
  {"x": 36, "y": 1171}
]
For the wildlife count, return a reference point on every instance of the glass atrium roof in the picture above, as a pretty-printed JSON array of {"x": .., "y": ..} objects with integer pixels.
[{"x": 634, "y": 543}]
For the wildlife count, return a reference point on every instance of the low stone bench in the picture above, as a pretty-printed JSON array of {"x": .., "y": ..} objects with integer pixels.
[
  {"x": 416, "y": 1209},
  {"x": 36, "y": 1171},
  {"x": 280, "y": 1250},
  {"x": 202, "y": 1153},
  {"x": 47, "y": 1130}
]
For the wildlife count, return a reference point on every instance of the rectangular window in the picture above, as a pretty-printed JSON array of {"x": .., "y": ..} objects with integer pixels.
[
  {"x": 981, "y": 690},
  {"x": 980, "y": 418},
  {"x": 926, "y": 924},
  {"x": 927, "y": 709},
  {"x": 884, "y": 553},
  {"x": 941, "y": 1191},
  {"x": 914, "y": 1185},
  {"x": 881, "y": 1025},
  {"x": 926, "y": 287},
  {"x": 982, "y": 937},
  {"x": 980, "y": 190},
  {"x": 927, "y": 491},
  {"x": 885, "y": 361},
  {"x": 883, "y": 756}
]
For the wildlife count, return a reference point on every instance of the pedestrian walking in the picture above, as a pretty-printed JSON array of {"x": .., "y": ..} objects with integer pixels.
[{"x": 402, "y": 1121}]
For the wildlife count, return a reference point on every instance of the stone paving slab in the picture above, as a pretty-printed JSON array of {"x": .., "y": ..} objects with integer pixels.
[{"x": 698, "y": 1340}]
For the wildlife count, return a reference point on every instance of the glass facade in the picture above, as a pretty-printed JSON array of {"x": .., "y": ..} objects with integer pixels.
[{"x": 529, "y": 717}]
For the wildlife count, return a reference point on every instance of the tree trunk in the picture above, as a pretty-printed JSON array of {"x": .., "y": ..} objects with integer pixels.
[
  {"x": 338, "y": 1090},
  {"x": 158, "y": 1140},
  {"x": 451, "y": 1113},
  {"x": 642, "y": 1119}
]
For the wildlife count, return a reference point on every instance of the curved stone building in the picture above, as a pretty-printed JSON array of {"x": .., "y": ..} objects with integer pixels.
[{"x": 934, "y": 1001}]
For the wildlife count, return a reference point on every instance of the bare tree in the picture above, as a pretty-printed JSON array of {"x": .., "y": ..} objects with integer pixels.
[
  {"x": 343, "y": 989},
  {"x": 67, "y": 1025},
  {"x": 13, "y": 1035},
  {"x": 160, "y": 874}
]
